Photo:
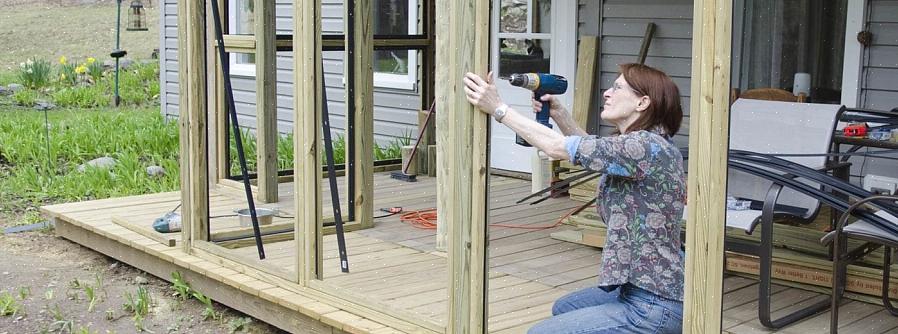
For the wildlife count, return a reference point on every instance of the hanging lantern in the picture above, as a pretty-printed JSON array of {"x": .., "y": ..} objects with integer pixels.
[{"x": 136, "y": 18}]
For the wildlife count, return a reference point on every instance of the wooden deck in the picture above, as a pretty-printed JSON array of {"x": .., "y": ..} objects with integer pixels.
[{"x": 396, "y": 272}]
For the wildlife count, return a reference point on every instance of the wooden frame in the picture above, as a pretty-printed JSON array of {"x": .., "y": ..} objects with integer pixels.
[
  {"x": 708, "y": 149},
  {"x": 360, "y": 87},
  {"x": 462, "y": 147},
  {"x": 266, "y": 101},
  {"x": 463, "y": 159}
]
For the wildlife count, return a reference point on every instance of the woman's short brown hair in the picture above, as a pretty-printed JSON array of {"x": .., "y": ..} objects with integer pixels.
[{"x": 665, "y": 108}]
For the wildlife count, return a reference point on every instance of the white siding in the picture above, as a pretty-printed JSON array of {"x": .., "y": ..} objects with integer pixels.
[{"x": 395, "y": 110}]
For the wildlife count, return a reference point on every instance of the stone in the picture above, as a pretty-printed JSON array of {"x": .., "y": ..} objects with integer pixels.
[
  {"x": 14, "y": 87},
  {"x": 141, "y": 280},
  {"x": 103, "y": 162},
  {"x": 5, "y": 91},
  {"x": 43, "y": 105},
  {"x": 122, "y": 63},
  {"x": 155, "y": 171}
]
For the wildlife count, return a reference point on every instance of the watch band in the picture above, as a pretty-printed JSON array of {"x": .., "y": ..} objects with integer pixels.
[{"x": 500, "y": 112}]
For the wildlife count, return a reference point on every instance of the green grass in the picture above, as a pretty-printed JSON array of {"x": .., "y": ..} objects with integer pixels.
[
  {"x": 137, "y": 138},
  {"x": 49, "y": 31}
]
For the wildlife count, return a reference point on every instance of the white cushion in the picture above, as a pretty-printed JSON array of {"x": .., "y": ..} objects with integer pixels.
[{"x": 863, "y": 227}]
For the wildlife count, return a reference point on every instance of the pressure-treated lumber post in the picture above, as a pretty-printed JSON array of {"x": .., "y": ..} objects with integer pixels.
[
  {"x": 708, "y": 145},
  {"x": 306, "y": 143},
  {"x": 586, "y": 78},
  {"x": 192, "y": 118},
  {"x": 216, "y": 101},
  {"x": 184, "y": 124},
  {"x": 362, "y": 46},
  {"x": 266, "y": 102},
  {"x": 462, "y": 146}
]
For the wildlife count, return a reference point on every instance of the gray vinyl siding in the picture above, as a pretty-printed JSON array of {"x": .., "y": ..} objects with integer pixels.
[
  {"x": 395, "y": 110},
  {"x": 879, "y": 83},
  {"x": 622, "y": 29},
  {"x": 879, "y": 89}
]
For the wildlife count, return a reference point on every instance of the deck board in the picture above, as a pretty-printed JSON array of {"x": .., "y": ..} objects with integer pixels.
[{"x": 397, "y": 265}]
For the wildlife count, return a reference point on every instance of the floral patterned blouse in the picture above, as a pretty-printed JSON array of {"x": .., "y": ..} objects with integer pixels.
[{"x": 641, "y": 195}]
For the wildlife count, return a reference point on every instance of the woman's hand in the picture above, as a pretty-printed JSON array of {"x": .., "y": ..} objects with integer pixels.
[
  {"x": 482, "y": 93},
  {"x": 556, "y": 108}
]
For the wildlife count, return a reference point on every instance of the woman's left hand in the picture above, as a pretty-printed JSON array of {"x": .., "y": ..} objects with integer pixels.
[{"x": 482, "y": 93}]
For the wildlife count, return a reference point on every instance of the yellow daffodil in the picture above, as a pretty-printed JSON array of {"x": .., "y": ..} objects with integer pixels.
[
  {"x": 81, "y": 69},
  {"x": 62, "y": 60},
  {"x": 91, "y": 60}
]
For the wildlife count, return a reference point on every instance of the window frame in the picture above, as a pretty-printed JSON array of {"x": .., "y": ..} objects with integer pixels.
[
  {"x": 238, "y": 69},
  {"x": 406, "y": 81}
]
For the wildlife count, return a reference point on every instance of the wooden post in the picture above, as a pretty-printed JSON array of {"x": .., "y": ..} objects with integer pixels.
[
  {"x": 184, "y": 123},
  {"x": 307, "y": 119},
  {"x": 218, "y": 127},
  {"x": 266, "y": 101},
  {"x": 462, "y": 146},
  {"x": 196, "y": 80},
  {"x": 362, "y": 46},
  {"x": 192, "y": 121},
  {"x": 587, "y": 55},
  {"x": 708, "y": 148}
]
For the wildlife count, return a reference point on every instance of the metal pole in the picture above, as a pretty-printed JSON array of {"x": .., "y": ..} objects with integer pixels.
[{"x": 118, "y": 19}]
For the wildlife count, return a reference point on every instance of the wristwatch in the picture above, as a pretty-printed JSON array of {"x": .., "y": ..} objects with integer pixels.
[{"x": 500, "y": 112}]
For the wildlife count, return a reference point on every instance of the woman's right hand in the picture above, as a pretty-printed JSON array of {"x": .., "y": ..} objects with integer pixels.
[{"x": 556, "y": 108}]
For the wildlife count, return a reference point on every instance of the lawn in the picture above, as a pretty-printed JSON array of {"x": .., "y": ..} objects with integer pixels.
[{"x": 47, "y": 30}]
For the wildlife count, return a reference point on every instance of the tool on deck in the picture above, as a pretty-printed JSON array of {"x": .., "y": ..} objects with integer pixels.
[
  {"x": 540, "y": 84},
  {"x": 404, "y": 175}
]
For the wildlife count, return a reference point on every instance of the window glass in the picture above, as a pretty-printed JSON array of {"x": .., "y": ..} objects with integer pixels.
[
  {"x": 523, "y": 55},
  {"x": 391, "y": 18},
  {"x": 513, "y": 16},
  {"x": 243, "y": 25}
]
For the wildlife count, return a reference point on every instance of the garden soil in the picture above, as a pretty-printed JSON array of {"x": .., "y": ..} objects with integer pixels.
[{"x": 44, "y": 268}]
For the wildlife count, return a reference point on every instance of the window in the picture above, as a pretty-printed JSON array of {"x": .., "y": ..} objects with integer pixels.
[
  {"x": 524, "y": 36},
  {"x": 395, "y": 68},
  {"x": 781, "y": 38},
  {"x": 241, "y": 21}
]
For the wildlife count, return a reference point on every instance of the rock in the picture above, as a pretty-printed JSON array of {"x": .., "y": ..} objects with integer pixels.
[
  {"x": 5, "y": 91},
  {"x": 104, "y": 162},
  {"x": 122, "y": 63},
  {"x": 14, "y": 87},
  {"x": 141, "y": 280},
  {"x": 113, "y": 266},
  {"x": 43, "y": 105},
  {"x": 155, "y": 171}
]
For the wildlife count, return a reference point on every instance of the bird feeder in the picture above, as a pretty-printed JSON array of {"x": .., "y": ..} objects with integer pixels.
[{"x": 136, "y": 17}]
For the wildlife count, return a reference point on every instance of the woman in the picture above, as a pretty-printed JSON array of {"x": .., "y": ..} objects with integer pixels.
[{"x": 640, "y": 197}]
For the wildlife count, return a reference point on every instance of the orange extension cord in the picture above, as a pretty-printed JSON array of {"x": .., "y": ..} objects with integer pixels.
[{"x": 427, "y": 219}]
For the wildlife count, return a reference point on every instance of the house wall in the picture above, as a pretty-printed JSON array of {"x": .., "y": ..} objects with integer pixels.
[
  {"x": 879, "y": 77},
  {"x": 622, "y": 29},
  {"x": 395, "y": 109}
]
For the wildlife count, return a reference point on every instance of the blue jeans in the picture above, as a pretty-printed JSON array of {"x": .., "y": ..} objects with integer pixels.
[{"x": 627, "y": 309}]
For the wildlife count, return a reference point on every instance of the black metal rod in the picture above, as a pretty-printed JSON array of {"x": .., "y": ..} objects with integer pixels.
[
  {"x": 350, "y": 107},
  {"x": 332, "y": 178},
  {"x": 232, "y": 111}
]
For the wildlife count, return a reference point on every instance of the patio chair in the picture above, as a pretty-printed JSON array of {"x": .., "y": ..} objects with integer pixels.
[
  {"x": 774, "y": 127},
  {"x": 872, "y": 231}
]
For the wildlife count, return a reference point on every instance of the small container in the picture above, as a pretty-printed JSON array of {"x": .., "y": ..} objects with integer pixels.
[{"x": 264, "y": 215}]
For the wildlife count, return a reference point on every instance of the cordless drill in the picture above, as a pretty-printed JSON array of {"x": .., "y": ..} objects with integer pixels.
[{"x": 540, "y": 84}]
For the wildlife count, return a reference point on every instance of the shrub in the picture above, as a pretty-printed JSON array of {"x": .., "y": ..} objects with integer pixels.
[
  {"x": 26, "y": 97},
  {"x": 34, "y": 74}
]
